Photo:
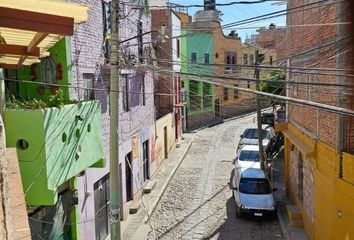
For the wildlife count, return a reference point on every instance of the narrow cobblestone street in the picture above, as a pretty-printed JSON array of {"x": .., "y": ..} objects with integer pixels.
[{"x": 198, "y": 202}]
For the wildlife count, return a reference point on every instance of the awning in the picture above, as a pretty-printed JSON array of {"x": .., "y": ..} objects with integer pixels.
[
  {"x": 307, "y": 150},
  {"x": 29, "y": 28}
]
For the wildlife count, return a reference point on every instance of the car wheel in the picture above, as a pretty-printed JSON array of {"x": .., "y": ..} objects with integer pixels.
[{"x": 238, "y": 212}]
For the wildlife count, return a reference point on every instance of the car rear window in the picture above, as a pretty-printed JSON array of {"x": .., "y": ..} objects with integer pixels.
[
  {"x": 254, "y": 186},
  {"x": 246, "y": 155},
  {"x": 252, "y": 133}
]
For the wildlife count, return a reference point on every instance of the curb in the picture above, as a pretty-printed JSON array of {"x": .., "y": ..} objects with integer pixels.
[
  {"x": 163, "y": 188},
  {"x": 282, "y": 225}
]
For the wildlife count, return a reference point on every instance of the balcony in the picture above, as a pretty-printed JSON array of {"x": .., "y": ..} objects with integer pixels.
[{"x": 53, "y": 145}]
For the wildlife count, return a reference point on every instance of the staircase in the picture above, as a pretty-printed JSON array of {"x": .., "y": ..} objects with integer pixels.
[{"x": 294, "y": 216}]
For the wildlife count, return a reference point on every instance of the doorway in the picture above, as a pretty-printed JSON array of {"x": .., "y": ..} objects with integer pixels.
[
  {"x": 128, "y": 177},
  {"x": 146, "y": 160},
  {"x": 300, "y": 176},
  {"x": 165, "y": 141},
  {"x": 217, "y": 108}
]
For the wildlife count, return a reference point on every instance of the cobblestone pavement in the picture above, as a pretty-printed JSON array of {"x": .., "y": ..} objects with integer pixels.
[{"x": 198, "y": 202}]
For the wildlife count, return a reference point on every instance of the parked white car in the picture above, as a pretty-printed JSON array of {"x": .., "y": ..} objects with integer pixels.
[
  {"x": 248, "y": 157},
  {"x": 253, "y": 193}
]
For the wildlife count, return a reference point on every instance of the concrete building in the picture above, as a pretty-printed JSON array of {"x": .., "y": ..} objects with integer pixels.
[
  {"x": 50, "y": 138},
  {"x": 318, "y": 143},
  {"x": 63, "y": 151},
  {"x": 197, "y": 59},
  {"x": 90, "y": 49},
  {"x": 166, "y": 27},
  {"x": 228, "y": 56},
  {"x": 200, "y": 107},
  {"x": 272, "y": 39}
]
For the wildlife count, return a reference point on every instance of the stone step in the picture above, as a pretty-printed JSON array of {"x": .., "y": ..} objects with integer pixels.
[
  {"x": 134, "y": 207},
  {"x": 296, "y": 223},
  {"x": 149, "y": 186},
  {"x": 293, "y": 212}
]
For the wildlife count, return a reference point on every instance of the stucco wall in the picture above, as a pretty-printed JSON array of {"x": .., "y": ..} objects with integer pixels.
[
  {"x": 200, "y": 43},
  {"x": 309, "y": 189},
  {"x": 168, "y": 122},
  {"x": 126, "y": 147},
  {"x": 176, "y": 32},
  {"x": 87, "y": 57},
  {"x": 328, "y": 199}
]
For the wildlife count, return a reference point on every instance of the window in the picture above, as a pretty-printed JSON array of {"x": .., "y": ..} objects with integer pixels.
[
  {"x": 236, "y": 92},
  {"x": 142, "y": 90},
  {"x": 206, "y": 58},
  {"x": 251, "y": 59},
  {"x": 89, "y": 93},
  {"x": 227, "y": 62},
  {"x": 102, "y": 218},
  {"x": 178, "y": 48},
  {"x": 271, "y": 60},
  {"x": 193, "y": 57},
  {"x": 254, "y": 186},
  {"x": 248, "y": 84},
  {"x": 146, "y": 161},
  {"x": 140, "y": 42},
  {"x": 246, "y": 155},
  {"x": 233, "y": 62},
  {"x": 245, "y": 59},
  {"x": 107, "y": 29},
  {"x": 252, "y": 133},
  {"x": 225, "y": 94},
  {"x": 125, "y": 93}
]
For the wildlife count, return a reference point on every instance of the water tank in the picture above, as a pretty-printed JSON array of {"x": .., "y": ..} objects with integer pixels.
[{"x": 209, "y": 4}]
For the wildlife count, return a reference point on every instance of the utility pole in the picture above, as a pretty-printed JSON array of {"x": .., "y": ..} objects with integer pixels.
[
  {"x": 114, "y": 123},
  {"x": 259, "y": 118}
]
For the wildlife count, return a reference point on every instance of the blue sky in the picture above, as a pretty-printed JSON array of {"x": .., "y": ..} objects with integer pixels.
[{"x": 240, "y": 12}]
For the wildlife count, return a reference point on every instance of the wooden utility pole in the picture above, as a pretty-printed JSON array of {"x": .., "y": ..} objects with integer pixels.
[
  {"x": 114, "y": 124},
  {"x": 259, "y": 117}
]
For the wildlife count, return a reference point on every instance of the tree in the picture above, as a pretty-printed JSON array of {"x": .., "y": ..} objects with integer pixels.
[{"x": 272, "y": 82}]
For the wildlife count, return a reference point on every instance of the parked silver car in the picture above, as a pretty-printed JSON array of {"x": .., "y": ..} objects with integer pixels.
[
  {"x": 253, "y": 193},
  {"x": 250, "y": 137}
]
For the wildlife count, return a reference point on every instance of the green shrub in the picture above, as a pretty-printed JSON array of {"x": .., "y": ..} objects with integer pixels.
[{"x": 55, "y": 100}]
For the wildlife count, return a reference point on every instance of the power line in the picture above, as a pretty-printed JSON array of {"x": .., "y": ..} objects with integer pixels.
[
  {"x": 202, "y": 5},
  {"x": 338, "y": 110}
]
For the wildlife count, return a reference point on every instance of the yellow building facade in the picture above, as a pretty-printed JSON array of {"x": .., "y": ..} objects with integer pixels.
[
  {"x": 165, "y": 138},
  {"x": 320, "y": 181},
  {"x": 319, "y": 142}
]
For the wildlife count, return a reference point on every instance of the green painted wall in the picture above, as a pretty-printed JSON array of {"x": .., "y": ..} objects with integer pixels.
[
  {"x": 59, "y": 55},
  {"x": 200, "y": 43},
  {"x": 60, "y": 146}
]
